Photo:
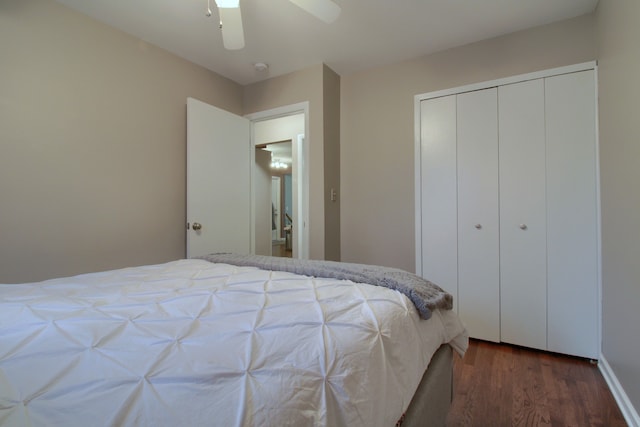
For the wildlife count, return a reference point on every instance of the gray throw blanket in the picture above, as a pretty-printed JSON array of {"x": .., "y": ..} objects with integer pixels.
[{"x": 426, "y": 296}]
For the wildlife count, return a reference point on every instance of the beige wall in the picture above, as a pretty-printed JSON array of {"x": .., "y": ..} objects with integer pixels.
[
  {"x": 331, "y": 114},
  {"x": 377, "y": 139},
  {"x": 278, "y": 129},
  {"x": 618, "y": 32},
  {"x": 92, "y": 143},
  {"x": 307, "y": 85}
]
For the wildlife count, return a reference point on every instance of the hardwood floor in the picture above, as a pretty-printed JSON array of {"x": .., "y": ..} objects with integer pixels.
[
  {"x": 280, "y": 250},
  {"x": 504, "y": 385}
]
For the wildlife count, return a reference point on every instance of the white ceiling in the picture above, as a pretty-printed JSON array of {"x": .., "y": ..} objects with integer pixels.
[{"x": 368, "y": 33}]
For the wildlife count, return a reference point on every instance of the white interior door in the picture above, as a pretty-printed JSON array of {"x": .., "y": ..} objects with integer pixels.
[
  {"x": 572, "y": 234},
  {"x": 439, "y": 193},
  {"x": 262, "y": 185},
  {"x": 275, "y": 202},
  {"x": 218, "y": 180},
  {"x": 523, "y": 258},
  {"x": 478, "y": 224},
  {"x": 300, "y": 229}
]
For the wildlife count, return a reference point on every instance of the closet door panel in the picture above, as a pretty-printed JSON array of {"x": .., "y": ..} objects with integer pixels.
[
  {"x": 571, "y": 219},
  {"x": 438, "y": 193},
  {"x": 478, "y": 245},
  {"x": 523, "y": 278}
]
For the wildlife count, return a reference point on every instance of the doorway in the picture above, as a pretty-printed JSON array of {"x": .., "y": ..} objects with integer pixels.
[
  {"x": 281, "y": 191},
  {"x": 281, "y": 133}
]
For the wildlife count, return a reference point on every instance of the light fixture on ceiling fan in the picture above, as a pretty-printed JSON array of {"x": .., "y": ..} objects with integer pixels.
[{"x": 231, "y": 17}]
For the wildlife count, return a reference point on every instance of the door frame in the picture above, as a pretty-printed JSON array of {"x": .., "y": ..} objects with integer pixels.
[{"x": 301, "y": 147}]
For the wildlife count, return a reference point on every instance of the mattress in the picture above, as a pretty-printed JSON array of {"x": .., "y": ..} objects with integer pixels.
[{"x": 196, "y": 343}]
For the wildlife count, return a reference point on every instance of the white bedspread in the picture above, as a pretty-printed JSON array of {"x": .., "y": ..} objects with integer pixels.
[{"x": 191, "y": 343}]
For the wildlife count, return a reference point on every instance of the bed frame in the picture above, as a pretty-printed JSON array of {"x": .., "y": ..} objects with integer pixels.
[{"x": 432, "y": 400}]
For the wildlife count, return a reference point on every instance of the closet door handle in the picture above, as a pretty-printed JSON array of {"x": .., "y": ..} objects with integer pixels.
[
  {"x": 523, "y": 226},
  {"x": 478, "y": 226}
]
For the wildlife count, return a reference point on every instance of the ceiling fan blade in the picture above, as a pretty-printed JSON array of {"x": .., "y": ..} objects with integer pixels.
[
  {"x": 231, "y": 26},
  {"x": 324, "y": 10}
]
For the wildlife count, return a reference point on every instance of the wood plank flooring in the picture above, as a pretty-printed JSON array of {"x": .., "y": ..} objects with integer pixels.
[
  {"x": 504, "y": 385},
  {"x": 279, "y": 249}
]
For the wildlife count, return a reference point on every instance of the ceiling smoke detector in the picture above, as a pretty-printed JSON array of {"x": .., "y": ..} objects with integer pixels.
[{"x": 260, "y": 67}]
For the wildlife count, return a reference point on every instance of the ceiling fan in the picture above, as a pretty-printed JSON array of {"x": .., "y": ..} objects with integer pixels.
[{"x": 231, "y": 17}]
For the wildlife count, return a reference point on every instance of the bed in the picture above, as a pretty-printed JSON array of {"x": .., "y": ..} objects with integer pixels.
[{"x": 194, "y": 342}]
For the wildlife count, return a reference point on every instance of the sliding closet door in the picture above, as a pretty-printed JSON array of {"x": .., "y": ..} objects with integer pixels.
[
  {"x": 438, "y": 193},
  {"x": 523, "y": 260},
  {"x": 572, "y": 209},
  {"x": 478, "y": 245}
]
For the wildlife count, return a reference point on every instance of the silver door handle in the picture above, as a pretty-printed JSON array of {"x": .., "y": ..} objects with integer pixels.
[
  {"x": 523, "y": 226},
  {"x": 196, "y": 226}
]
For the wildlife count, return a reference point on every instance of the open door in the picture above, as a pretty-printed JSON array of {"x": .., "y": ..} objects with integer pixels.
[
  {"x": 263, "y": 209},
  {"x": 218, "y": 181}
]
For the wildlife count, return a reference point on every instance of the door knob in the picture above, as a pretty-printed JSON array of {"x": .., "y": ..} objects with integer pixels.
[
  {"x": 196, "y": 226},
  {"x": 478, "y": 226},
  {"x": 522, "y": 226}
]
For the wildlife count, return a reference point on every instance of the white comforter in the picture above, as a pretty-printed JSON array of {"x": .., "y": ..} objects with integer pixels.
[{"x": 191, "y": 343}]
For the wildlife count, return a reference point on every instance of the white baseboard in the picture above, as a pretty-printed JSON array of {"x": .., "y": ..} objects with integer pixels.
[{"x": 626, "y": 407}]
